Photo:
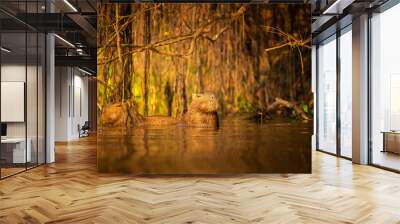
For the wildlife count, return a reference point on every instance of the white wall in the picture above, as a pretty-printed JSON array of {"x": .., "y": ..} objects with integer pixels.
[
  {"x": 12, "y": 73},
  {"x": 71, "y": 102},
  {"x": 80, "y": 110},
  {"x": 62, "y": 82}
]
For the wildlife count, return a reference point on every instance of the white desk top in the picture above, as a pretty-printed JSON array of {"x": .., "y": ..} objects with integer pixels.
[{"x": 13, "y": 140}]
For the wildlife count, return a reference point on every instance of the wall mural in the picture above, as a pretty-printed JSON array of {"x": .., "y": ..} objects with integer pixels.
[{"x": 204, "y": 88}]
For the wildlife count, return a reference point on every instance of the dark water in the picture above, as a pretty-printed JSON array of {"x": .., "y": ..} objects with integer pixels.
[{"x": 238, "y": 146}]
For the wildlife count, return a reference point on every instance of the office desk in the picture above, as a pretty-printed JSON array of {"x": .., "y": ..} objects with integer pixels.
[
  {"x": 391, "y": 141},
  {"x": 13, "y": 150}
]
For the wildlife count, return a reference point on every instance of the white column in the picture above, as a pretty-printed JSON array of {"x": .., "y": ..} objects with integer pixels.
[
  {"x": 360, "y": 90},
  {"x": 50, "y": 100}
]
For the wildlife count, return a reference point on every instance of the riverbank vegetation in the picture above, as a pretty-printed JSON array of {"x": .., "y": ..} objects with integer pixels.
[{"x": 254, "y": 58}]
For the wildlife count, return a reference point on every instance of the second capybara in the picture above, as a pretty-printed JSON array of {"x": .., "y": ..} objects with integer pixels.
[{"x": 121, "y": 114}]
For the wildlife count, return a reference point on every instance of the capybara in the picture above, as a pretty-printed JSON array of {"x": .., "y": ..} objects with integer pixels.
[
  {"x": 202, "y": 111},
  {"x": 121, "y": 114},
  {"x": 160, "y": 121}
]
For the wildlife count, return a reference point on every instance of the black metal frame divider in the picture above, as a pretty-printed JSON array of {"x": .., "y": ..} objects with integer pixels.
[{"x": 44, "y": 80}]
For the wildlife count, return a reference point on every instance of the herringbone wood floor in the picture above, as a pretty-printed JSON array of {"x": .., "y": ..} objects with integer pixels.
[{"x": 71, "y": 191}]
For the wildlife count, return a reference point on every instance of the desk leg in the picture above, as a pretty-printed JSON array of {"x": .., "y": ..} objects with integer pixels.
[{"x": 384, "y": 142}]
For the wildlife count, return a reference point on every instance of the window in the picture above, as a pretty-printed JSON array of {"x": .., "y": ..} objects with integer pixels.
[
  {"x": 385, "y": 89},
  {"x": 335, "y": 120},
  {"x": 346, "y": 92},
  {"x": 327, "y": 96}
]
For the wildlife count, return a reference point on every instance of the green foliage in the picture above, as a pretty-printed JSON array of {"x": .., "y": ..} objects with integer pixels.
[
  {"x": 243, "y": 105},
  {"x": 304, "y": 107}
]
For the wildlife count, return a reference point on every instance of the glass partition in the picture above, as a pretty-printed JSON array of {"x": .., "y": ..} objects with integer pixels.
[
  {"x": 326, "y": 96},
  {"x": 22, "y": 91},
  {"x": 13, "y": 95}
]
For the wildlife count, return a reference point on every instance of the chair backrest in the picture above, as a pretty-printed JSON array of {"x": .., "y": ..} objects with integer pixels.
[{"x": 86, "y": 125}]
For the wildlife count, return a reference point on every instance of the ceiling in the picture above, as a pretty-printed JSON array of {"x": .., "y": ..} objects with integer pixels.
[
  {"x": 75, "y": 21},
  {"x": 332, "y": 15},
  {"x": 72, "y": 20}
]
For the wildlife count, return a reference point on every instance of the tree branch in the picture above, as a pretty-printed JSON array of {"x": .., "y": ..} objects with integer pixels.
[{"x": 193, "y": 36}]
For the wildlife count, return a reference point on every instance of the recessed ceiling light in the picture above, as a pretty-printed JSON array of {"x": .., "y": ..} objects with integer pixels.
[
  {"x": 64, "y": 40},
  {"x": 84, "y": 71},
  {"x": 70, "y": 5},
  {"x": 337, "y": 7},
  {"x": 5, "y": 50}
]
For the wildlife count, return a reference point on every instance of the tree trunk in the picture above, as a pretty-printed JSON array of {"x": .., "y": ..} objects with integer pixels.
[
  {"x": 120, "y": 65},
  {"x": 132, "y": 70},
  {"x": 147, "y": 37}
]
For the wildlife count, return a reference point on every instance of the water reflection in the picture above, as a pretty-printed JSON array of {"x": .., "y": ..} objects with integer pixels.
[{"x": 238, "y": 146}]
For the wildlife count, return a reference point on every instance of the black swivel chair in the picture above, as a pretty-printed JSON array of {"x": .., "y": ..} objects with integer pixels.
[{"x": 84, "y": 130}]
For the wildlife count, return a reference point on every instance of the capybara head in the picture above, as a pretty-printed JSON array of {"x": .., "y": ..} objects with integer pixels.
[
  {"x": 205, "y": 102},
  {"x": 114, "y": 115}
]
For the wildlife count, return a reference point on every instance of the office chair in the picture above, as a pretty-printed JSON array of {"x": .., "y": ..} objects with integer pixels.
[{"x": 84, "y": 130}]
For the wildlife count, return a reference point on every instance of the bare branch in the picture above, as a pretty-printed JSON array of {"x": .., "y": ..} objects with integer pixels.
[{"x": 193, "y": 36}]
